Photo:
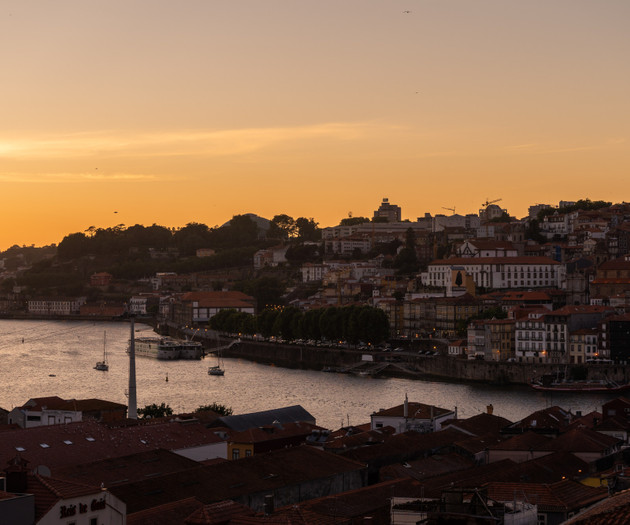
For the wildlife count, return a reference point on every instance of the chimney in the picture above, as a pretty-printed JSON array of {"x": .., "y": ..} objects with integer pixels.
[
  {"x": 406, "y": 407},
  {"x": 490, "y": 409}
]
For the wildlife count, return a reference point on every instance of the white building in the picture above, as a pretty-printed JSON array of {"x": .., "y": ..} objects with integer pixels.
[
  {"x": 56, "y": 306},
  {"x": 313, "y": 272},
  {"x": 531, "y": 337},
  {"x": 498, "y": 272},
  {"x": 412, "y": 416},
  {"x": 43, "y": 411}
]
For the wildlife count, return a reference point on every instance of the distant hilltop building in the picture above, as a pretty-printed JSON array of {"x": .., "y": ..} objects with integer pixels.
[{"x": 389, "y": 211}]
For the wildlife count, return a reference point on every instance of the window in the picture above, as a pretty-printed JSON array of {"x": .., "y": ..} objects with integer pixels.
[
  {"x": 248, "y": 453},
  {"x": 236, "y": 453},
  {"x": 93, "y": 521}
]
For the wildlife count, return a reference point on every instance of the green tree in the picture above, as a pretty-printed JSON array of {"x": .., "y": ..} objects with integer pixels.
[
  {"x": 218, "y": 408},
  {"x": 286, "y": 224},
  {"x": 154, "y": 411},
  {"x": 407, "y": 260},
  {"x": 353, "y": 221},
  {"x": 307, "y": 229}
]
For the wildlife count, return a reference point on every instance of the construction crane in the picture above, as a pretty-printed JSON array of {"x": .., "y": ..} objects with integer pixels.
[
  {"x": 452, "y": 209},
  {"x": 488, "y": 203}
]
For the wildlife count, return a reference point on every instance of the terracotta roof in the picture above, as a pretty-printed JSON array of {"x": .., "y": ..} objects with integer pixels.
[
  {"x": 612, "y": 511},
  {"x": 582, "y": 440},
  {"x": 48, "y": 491},
  {"x": 125, "y": 469},
  {"x": 552, "y": 467},
  {"x": 415, "y": 411},
  {"x": 260, "y": 473},
  {"x": 551, "y": 418},
  {"x": 621, "y": 263},
  {"x": 272, "y": 432},
  {"x": 478, "y": 425},
  {"x": 495, "y": 260},
  {"x": 428, "y": 467},
  {"x": 526, "y": 441},
  {"x": 562, "y": 496},
  {"x": 173, "y": 513},
  {"x": 406, "y": 444},
  {"x": 82, "y": 442},
  {"x": 215, "y": 513},
  {"x": 219, "y": 299}
]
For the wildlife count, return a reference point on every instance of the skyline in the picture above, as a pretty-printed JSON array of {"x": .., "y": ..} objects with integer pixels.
[{"x": 154, "y": 112}]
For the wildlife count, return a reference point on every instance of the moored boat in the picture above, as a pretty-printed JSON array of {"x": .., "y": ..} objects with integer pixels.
[{"x": 590, "y": 386}]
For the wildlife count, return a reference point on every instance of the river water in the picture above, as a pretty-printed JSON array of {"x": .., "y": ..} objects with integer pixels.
[{"x": 46, "y": 358}]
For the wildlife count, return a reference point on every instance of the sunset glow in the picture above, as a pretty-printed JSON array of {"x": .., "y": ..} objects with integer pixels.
[{"x": 165, "y": 112}]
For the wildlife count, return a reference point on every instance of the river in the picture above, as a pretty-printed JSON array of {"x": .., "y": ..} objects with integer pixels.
[{"x": 46, "y": 358}]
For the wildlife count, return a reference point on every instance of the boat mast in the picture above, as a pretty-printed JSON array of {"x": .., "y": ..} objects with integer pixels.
[{"x": 132, "y": 409}]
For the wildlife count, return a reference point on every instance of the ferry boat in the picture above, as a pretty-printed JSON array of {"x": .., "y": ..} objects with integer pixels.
[{"x": 165, "y": 348}]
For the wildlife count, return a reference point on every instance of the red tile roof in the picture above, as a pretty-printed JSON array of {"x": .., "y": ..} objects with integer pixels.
[
  {"x": 566, "y": 495},
  {"x": 82, "y": 442},
  {"x": 495, "y": 260}
]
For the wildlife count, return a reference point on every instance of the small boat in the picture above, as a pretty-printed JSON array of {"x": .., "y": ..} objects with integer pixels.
[
  {"x": 102, "y": 365},
  {"x": 216, "y": 370},
  {"x": 604, "y": 385}
]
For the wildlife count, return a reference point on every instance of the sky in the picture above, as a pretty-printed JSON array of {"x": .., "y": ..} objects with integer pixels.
[{"x": 163, "y": 112}]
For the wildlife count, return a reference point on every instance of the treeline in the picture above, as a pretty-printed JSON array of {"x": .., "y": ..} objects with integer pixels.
[
  {"x": 242, "y": 231},
  {"x": 353, "y": 324},
  {"x": 581, "y": 205}
]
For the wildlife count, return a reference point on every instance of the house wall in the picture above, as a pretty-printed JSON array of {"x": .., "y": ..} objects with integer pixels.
[{"x": 103, "y": 506}]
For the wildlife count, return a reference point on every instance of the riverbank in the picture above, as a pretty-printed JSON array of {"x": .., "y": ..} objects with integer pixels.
[{"x": 411, "y": 365}]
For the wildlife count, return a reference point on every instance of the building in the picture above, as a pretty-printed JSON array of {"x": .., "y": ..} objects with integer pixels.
[
  {"x": 100, "y": 279},
  {"x": 391, "y": 212},
  {"x": 42, "y": 411},
  {"x": 559, "y": 324},
  {"x": 412, "y": 416},
  {"x": 56, "y": 306},
  {"x": 199, "y": 307},
  {"x": 497, "y": 272},
  {"x": 612, "y": 277},
  {"x": 531, "y": 337},
  {"x": 614, "y": 338}
]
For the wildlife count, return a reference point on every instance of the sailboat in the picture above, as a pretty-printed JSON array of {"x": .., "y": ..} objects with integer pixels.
[
  {"x": 102, "y": 365},
  {"x": 216, "y": 370}
]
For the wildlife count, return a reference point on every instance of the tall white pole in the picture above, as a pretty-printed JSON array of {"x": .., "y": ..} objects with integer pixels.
[{"x": 132, "y": 410}]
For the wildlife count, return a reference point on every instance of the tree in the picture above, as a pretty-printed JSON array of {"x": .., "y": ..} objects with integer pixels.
[
  {"x": 286, "y": 224},
  {"x": 407, "y": 260},
  {"x": 153, "y": 411},
  {"x": 307, "y": 229},
  {"x": 218, "y": 408},
  {"x": 353, "y": 221}
]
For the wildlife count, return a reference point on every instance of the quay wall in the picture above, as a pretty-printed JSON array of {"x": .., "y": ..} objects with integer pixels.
[{"x": 408, "y": 364}]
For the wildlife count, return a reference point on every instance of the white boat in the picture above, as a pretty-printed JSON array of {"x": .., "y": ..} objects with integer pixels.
[
  {"x": 166, "y": 348},
  {"x": 102, "y": 365},
  {"x": 217, "y": 370}
]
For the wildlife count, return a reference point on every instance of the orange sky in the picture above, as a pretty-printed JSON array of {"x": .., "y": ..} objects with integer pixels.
[{"x": 173, "y": 112}]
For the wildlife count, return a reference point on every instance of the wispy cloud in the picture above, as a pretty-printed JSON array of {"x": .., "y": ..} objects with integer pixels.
[
  {"x": 71, "y": 177},
  {"x": 211, "y": 143}
]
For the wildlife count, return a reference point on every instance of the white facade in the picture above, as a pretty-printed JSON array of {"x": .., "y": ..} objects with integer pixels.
[
  {"x": 26, "y": 418},
  {"x": 100, "y": 507},
  {"x": 138, "y": 305},
  {"x": 531, "y": 339},
  {"x": 498, "y": 272},
  {"x": 313, "y": 272},
  {"x": 57, "y": 306}
]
